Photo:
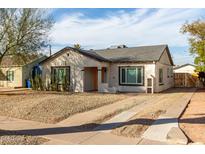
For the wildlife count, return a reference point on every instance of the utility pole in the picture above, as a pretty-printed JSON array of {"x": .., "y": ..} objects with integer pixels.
[{"x": 50, "y": 49}]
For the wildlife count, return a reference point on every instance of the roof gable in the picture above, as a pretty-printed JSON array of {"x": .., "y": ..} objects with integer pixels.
[
  {"x": 184, "y": 65},
  {"x": 83, "y": 52},
  {"x": 166, "y": 57},
  {"x": 134, "y": 54}
]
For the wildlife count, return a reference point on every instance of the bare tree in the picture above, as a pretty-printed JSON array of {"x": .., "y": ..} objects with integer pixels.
[{"x": 22, "y": 31}]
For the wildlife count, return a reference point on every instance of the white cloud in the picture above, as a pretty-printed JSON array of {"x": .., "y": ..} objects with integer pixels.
[{"x": 140, "y": 27}]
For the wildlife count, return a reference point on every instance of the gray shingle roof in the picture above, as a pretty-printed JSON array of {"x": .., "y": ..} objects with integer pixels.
[
  {"x": 141, "y": 54},
  {"x": 12, "y": 61},
  {"x": 134, "y": 54}
]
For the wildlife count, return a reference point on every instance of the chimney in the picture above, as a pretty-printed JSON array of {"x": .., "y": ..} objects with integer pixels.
[{"x": 117, "y": 46}]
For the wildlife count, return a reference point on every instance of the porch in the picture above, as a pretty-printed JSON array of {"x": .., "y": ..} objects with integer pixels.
[{"x": 95, "y": 79}]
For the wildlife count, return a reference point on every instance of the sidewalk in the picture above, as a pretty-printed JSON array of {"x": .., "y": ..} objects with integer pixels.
[
  {"x": 192, "y": 121},
  {"x": 72, "y": 130},
  {"x": 162, "y": 126}
]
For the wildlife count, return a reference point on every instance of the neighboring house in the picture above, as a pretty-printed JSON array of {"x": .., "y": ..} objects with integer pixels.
[
  {"x": 186, "y": 68},
  {"x": 136, "y": 69},
  {"x": 13, "y": 74},
  {"x": 184, "y": 76}
]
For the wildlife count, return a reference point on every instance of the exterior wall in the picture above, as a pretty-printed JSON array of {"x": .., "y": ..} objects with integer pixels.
[
  {"x": 168, "y": 82},
  {"x": 17, "y": 77},
  {"x": 27, "y": 70},
  {"x": 186, "y": 69},
  {"x": 77, "y": 62},
  {"x": 149, "y": 71}
]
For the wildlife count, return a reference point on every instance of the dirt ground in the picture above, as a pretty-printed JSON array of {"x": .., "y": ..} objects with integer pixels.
[
  {"x": 192, "y": 121},
  {"x": 12, "y": 138},
  {"x": 139, "y": 123},
  {"x": 51, "y": 107}
]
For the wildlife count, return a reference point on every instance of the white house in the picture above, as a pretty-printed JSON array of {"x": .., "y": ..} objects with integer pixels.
[
  {"x": 186, "y": 68},
  {"x": 120, "y": 69}
]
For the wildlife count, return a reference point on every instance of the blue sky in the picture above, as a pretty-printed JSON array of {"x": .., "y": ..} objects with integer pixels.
[{"x": 101, "y": 28}]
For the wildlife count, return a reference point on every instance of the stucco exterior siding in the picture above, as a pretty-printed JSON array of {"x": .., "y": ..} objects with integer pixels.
[
  {"x": 168, "y": 80},
  {"x": 18, "y": 81},
  {"x": 149, "y": 70},
  {"x": 77, "y": 63},
  {"x": 80, "y": 80}
]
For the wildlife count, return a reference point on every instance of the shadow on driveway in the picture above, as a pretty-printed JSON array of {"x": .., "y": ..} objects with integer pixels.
[{"x": 91, "y": 127}]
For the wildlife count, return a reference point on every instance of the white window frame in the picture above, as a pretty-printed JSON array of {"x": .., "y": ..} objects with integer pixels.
[
  {"x": 10, "y": 75},
  {"x": 127, "y": 67}
]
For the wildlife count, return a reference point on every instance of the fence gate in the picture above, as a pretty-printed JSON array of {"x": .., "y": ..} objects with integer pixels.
[{"x": 184, "y": 80}]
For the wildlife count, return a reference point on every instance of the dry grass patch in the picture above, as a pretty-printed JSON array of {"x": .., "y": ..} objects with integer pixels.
[
  {"x": 12, "y": 138},
  {"x": 137, "y": 125},
  {"x": 52, "y": 107}
]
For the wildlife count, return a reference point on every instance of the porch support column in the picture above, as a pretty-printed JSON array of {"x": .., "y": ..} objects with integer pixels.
[
  {"x": 82, "y": 80},
  {"x": 99, "y": 78}
]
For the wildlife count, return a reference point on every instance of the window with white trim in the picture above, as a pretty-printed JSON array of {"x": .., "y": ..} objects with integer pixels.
[
  {"x": 132, "y": 75},
  {"x": 10, "y": 75}
]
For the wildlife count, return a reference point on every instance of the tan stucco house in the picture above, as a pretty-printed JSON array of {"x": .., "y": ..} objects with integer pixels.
[
  {"x": 121, "y": 69},
  {"x": 14, "y": 74}
]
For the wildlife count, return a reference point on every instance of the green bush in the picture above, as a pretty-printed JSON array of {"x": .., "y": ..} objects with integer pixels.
[{"x": 37, "y": 83}]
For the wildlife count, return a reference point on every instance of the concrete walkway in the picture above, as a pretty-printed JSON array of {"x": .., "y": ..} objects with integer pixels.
[
  {"x": 70, "y": 131},
  {"x": 105, "y": 111},
  {"x": 162, "y": 126}
]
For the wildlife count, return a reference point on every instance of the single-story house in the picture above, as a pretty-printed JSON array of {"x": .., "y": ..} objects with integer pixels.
[
  {"x": 121, "y": 69},
  {"x": 186, "y": 68},
  {"x": 14, "y": 74}
]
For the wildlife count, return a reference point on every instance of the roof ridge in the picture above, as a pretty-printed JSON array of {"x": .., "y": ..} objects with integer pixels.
[{"x": 129, "y": 47}]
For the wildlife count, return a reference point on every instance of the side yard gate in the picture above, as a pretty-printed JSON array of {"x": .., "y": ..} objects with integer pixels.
[{"x": 185, "y": 80}]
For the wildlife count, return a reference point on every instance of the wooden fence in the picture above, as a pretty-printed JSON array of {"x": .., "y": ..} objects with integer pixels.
[{"x": 185, "y": 80}]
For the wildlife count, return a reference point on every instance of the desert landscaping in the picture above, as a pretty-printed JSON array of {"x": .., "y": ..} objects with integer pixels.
[
  {"x": 51, "y": 107},
  {"x": 64, "y": 117}
]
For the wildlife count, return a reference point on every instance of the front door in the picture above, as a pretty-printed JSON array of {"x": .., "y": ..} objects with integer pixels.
[{"x": 90, "y": 79}]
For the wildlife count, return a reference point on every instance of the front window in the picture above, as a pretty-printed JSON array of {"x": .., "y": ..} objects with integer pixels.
[
  {"x": 131, "y": 75},
  {"x": 60, "y": 75},
  {"x": 10, "y": 75},
  {"x": 160, "y": 76}
]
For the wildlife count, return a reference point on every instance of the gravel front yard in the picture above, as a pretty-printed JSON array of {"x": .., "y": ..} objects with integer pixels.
[
  {"x": 52, "y": 107},
  {"x": 11, "y": 138}
]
